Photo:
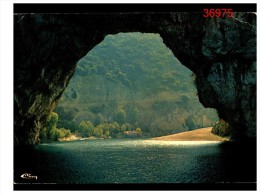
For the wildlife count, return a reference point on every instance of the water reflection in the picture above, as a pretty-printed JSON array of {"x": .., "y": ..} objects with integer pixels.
[{"x": 138, "y": 161}]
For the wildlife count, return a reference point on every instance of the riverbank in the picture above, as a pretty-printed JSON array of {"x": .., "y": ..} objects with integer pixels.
[
  {"x": 74, "y": 137},
  {"x": 203, "y": 134}
]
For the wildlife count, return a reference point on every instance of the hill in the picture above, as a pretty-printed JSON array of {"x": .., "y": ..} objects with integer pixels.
[{"x": 133, "y": 78}]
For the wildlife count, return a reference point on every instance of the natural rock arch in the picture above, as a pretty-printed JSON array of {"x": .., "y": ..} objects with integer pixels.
[{"x": 220, "y": 51}]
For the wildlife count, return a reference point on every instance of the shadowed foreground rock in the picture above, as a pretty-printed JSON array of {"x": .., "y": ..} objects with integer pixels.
[{"x": 220, "y": 51}]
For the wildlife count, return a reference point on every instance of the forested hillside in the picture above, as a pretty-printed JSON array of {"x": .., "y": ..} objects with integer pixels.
[{"x": 134, "y": 80}]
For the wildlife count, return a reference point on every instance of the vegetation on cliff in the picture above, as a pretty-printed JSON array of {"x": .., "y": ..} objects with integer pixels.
[{"x": 134, "y": 80}]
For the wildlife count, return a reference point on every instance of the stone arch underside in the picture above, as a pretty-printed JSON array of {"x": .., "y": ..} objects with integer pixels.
[{"x": 220, "y": 51}]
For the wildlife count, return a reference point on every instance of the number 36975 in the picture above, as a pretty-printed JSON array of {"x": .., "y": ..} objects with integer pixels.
[{"x": 218, "y": 13}]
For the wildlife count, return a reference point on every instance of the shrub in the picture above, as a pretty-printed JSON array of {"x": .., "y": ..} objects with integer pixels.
[
  {"x": 221, "y": 128},
  {"x": 139, "y": 130},
  {"x": 64, "y": 132}
]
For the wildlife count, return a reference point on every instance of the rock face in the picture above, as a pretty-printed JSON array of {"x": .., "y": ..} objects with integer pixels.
[{"x": 220, "y": 51}]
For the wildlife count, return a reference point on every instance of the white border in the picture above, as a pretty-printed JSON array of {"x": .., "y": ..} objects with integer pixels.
[{"x": 6, "y": 86}]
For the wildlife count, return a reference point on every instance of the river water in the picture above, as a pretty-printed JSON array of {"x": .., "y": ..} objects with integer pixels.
[{"x": 137, "y": 161}]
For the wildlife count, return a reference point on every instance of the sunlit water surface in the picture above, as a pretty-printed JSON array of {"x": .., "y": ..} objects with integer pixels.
[{"x": 138, "y": 161}]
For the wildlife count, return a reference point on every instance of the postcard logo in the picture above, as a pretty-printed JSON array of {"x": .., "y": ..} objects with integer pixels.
[{"x": 28, "y": 176}]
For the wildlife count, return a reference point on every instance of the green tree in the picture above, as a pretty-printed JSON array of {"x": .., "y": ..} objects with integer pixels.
[
  {"x": 50, "y": 132},
  {"x": 98, "y": 131},
  {"x": 71, "y": 125},
  {"x": 103, "y": 130},
  {"x": 99, "y": 119},
  {"x": 132, "y": 114},
  {"x": 51, "y": 125},
  {"x": 115, "y": 130},
  {"x": 121, "y": 116},
  {"x": 86, "y": 128}
]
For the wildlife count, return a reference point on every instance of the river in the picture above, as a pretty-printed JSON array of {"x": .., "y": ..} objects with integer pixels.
[{"x": 136, "y": 161}]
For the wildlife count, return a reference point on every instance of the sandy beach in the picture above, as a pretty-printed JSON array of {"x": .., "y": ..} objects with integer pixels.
[{"x": 203, "y": 134}]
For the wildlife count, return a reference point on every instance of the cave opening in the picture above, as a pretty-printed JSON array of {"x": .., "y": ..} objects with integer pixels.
[
  {"x": 130, "y": 85},
  {"x": 45, "y": 59},
  {"x": 47, "y": 48}
]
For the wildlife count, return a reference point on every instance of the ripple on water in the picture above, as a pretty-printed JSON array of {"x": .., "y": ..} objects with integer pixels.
[{"x": 133, "y": 161}]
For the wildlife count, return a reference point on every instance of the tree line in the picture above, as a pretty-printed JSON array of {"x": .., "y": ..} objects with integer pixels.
[{"x": 51, "y": 132}]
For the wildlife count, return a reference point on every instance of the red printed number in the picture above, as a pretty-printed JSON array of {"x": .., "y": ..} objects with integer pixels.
[{"x": 218, "y": 13}]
